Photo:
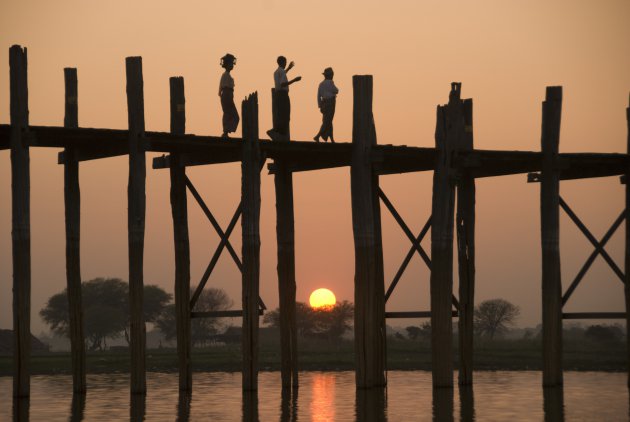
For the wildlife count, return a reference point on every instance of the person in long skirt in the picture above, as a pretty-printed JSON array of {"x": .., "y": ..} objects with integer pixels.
[
  {"x": 226, "y": 92},
  {"x": 326, "y": 101}
]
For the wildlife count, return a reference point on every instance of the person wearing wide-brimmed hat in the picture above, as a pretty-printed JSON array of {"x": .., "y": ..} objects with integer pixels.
[
  {"x": 326, "y": 101},
  {"x": 226, "y": 92}
]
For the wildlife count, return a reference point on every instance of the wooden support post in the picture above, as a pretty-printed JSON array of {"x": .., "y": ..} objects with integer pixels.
[
  {"x": 285, "y": 234},
  {"x": 448, "y": 132},
  {"x": 179, "y": 209},
  {"x": 369, "y": 286},
  {"x": 550, "y": 236},
  {"x": 21, "y": 222},
  {"x": 627, "y": 260},
  {"x": 72, "y": 199},
  {"x": 250, "y": 225},
  {"x": 466, "y": 253},
  {"x": 137, "y": 207}
]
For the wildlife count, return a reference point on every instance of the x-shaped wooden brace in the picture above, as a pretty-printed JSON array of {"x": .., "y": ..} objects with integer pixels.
[
  {"x": 415, "y": 242},
  {"x": 225, "y": 243},
  {"x": 599, "y": 249}
]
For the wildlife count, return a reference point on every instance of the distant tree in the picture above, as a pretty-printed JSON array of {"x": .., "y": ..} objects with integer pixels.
[
  {"x": 330, "y": 323},
  {"x": 202, "y": 329},
  {"x": 422, "y": 333},
  {"x": 604, "y": 333},
  {"x": 105, "y": 310},
  {"x": 494, "y": 317},
  {"x": 413, "y": 332}
]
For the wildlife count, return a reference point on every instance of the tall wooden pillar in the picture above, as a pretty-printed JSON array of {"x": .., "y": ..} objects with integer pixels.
[
  {"x": 250, "y": 224},
  {"x": 627, "y": 261},
  {"x": 285, "y": 234},
  {"x": 466, "y": 253},
  {"x": 448, "y": 132},
  {"x": 369, "y": 289},
  {"x": 72, "y": 199},
  {"x": 179, "y": 209},
  {"x": 550, "y": 236},
  {"x": 136, "y": 216},
  {"x": 21, "y": 222}
]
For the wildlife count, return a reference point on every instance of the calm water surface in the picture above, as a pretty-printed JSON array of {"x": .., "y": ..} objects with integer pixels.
[{"x": 325, "y": 396}]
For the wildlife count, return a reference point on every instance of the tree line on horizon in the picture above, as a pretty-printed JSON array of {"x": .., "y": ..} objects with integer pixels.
[{"x": 106, "y": 316}]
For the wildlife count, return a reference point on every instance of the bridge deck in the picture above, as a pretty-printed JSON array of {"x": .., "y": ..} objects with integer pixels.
[{"x": 303, "y": 156}]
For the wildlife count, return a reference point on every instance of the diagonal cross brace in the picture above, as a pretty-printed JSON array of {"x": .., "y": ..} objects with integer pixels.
[
  {"x": 406, "y": 261},
  {"x": 415, "y": 241},
  {"x": 215, "y": 223},
  {"x": 225, "y": 243},
  {"x": 599, "y": 249}
]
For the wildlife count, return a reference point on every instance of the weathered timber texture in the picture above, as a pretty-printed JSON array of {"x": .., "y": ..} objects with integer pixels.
[
  {"x": 466, "y": 253},
  {"x": 250, "y": 225},
  {"x": 21, "y": 223},
  {"x": 72, "y": 201},
  {"x": 550, "y": 236},
  {"x": 136, "y": 217},
  {"x": 179, "y": 210},
  {"x": 448, "y": 132},
  {"x": 285, "y": 235},
  {"x": 627, "y": 255},
  {"x": 369, "y": 286}
]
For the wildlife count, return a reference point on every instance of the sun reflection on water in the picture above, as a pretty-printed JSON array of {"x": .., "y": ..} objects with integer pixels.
[{"x": 322, "y": 405}]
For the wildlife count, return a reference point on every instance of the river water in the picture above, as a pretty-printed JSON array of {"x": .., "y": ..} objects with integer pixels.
[{"x": 324, "y": 396}]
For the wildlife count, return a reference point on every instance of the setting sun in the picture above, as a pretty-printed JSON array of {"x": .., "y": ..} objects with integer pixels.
[{"x": 321, "y": 298}]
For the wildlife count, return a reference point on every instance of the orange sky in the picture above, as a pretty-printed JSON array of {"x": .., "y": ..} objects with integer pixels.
[{"x": 504, "y": 53}]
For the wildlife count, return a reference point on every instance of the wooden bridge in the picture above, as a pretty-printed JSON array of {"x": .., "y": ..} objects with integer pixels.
[{"x": 455, "y": 165}]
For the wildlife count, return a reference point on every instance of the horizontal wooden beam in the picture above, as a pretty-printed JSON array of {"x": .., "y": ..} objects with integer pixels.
[
  {"x": 593, "y": 315},
  {"x": 221, "y": 314},
  {"x": 198, "y": 159},
  {"x": 115, "y": 150},
  {"x": 92, "y": 143},
  {"x": 412, "y": 314},
  {"x": 318, "y": 165}
]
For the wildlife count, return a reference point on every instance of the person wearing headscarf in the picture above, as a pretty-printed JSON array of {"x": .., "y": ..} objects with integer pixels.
[{"x": 226, "y": 92}]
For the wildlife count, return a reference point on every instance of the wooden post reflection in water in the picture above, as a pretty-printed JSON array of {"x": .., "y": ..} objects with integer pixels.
[
  {"x": 288, "y": 406},
  {"x": 553, "y": 404},
  {"x": 183, "y": 405},
  {"x": 78, "y": 407},
  {"x": 443, "y": 404},
  {"x": 250, "y": 406},
  {"x": 21, "y": 409},
  {"x": 138, "y": 407},
  {"x": 371, "y": 405},
  {"x": 466, "y": 403}
]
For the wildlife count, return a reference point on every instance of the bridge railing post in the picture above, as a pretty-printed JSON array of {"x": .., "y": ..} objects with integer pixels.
[
  {"x": 179, "y": 211},
  {"x": 250, "y": 223},
  {"x": 465, "y": 219},
  {"x": 627, "y": 255},
  {"x": 550, "y": 237},
  {"x": 285, "y": 235},
  {"x": 21, "y": 222},
  {"x": 448, "y": 134},
  {"x": 72, "y": 201},
  {"x": 369, "y": 286},
  {"x": 136, "y": 222}
]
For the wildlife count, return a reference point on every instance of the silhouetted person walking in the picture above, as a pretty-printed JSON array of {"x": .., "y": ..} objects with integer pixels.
[
  {"x": 226, "y": 92},
  {"x": 283, "y": 104},
  {"x": 326, "y": 101}
]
